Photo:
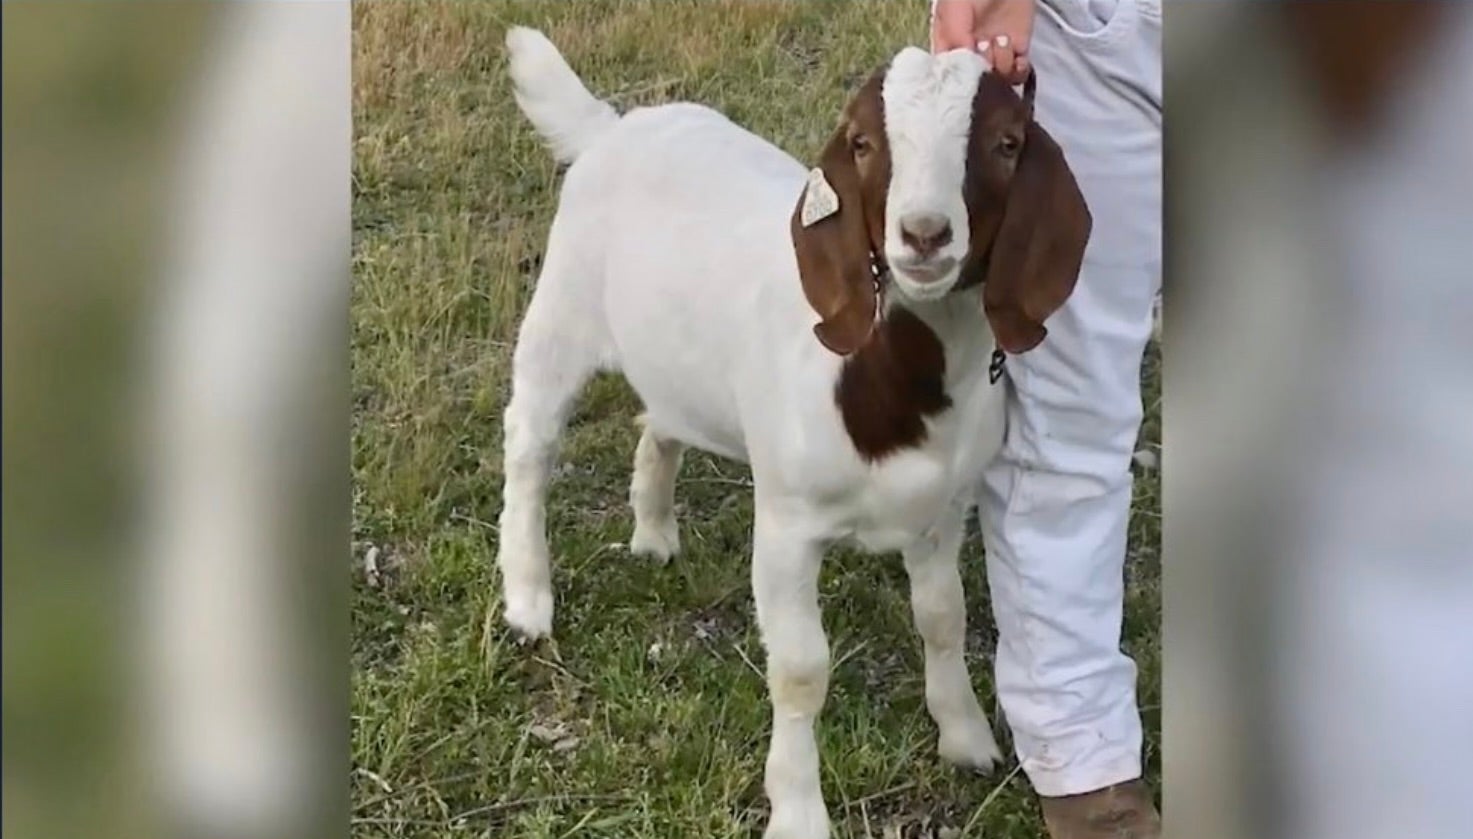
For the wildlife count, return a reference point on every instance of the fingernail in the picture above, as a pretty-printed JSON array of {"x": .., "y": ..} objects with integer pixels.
[
  {"x": 983, "y": 46},
  {"x": 1002, "y": 40}
]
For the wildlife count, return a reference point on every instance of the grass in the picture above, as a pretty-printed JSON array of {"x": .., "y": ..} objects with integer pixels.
[{"x": 647, "y": 716}]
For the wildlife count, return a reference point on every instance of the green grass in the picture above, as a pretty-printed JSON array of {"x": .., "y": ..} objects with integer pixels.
[{"x": 647, "y": 717}]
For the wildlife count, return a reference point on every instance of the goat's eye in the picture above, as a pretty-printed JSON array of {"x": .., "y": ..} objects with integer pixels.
[
  {"x": 1009, "y": 146},
  {"x": 860, "y": 144}
]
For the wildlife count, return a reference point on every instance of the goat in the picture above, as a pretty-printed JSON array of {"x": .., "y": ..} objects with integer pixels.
[{"x": 940, "y": 228}]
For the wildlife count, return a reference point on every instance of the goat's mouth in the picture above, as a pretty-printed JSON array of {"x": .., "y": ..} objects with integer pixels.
[{"x": 925, "y": 279}]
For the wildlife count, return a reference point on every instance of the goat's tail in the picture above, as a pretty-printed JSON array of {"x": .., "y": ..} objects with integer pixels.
[{"x": 552, "y": 96}]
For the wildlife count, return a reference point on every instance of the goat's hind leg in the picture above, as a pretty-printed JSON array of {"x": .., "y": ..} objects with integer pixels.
[
  {"x": 652, "y": 495},
  {"x": 554, "y": 358}
]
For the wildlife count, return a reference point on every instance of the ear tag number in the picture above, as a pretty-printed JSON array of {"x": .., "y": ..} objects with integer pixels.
[{"x": 819, "y": 199}]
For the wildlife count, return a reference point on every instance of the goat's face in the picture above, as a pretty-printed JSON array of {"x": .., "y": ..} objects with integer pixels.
[{"x": 938, "y": 169}]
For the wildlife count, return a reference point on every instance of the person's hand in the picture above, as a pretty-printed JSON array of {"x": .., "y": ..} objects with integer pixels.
[{"x": 999, "y": 29}]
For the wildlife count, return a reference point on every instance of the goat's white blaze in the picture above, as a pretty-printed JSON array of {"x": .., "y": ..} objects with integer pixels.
[{"x": 928, "y": 122}]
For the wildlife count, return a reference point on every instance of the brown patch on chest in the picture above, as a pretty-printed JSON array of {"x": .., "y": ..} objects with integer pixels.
[{"x": 887, "y": 389}]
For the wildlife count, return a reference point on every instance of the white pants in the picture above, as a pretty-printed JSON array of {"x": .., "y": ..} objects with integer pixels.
[{"x": 1055, "y": 506}]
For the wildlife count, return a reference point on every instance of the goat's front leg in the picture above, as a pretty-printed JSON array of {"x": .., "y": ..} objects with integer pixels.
[
  {"x": 785, "y": 586},
  {"x": 939, "y": 607}
]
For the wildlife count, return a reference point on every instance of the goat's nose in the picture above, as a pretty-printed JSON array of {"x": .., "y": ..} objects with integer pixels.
[{"x": 925, "y": 233}]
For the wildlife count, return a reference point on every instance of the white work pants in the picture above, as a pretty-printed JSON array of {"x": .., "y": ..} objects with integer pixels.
[{"x": 1056, "y": 504}]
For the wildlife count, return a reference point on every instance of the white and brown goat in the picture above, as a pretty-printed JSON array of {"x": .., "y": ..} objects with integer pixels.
[{"x": 839, "y": 329}]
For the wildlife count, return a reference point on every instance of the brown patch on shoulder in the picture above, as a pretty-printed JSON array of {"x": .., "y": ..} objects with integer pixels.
[{"x": 887, "y": 389}]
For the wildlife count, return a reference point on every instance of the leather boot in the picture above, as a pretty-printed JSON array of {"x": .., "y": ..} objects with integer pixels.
[{"x": 1122, "y": 811}]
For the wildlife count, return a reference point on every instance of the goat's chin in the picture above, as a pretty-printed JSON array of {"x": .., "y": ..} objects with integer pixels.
[{"x": 928, "y": 291}]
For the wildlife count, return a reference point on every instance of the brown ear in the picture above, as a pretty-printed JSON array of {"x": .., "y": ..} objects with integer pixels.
[
  {"x": 1039, "y": 246},
  {"x": 834, "y": 252}
]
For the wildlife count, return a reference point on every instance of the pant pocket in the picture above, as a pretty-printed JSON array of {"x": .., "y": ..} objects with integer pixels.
[{"x": 1089, "y": 20}]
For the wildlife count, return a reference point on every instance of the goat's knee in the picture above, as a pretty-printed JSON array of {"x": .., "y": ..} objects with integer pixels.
[
  {"x": 652, "y": 496},
  {"x": 940, "y": 616},
  {"x": 798, "y": 676}
]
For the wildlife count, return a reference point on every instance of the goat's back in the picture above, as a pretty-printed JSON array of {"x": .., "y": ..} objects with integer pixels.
[{"x": 677, "y": 223}]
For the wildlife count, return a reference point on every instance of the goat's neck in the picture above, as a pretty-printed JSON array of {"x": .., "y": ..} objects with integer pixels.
[{"x": 959, "y": 325}]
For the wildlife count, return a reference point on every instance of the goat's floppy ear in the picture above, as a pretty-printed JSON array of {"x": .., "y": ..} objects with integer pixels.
[
  {"x": 833, "y": 249},
  {"x": 1039, "y": 247}
]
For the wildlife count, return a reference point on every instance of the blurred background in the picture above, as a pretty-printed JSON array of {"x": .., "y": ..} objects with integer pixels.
[
  {"x": 176, "y": 211},
  {"x": 176, "y": 497},
  {"x": 1318, "y": 441}
]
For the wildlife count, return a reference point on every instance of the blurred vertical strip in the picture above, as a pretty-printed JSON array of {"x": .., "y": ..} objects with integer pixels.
[
  {"x": 176, "y": 505},
  {"x": 1318, "y": 430}
]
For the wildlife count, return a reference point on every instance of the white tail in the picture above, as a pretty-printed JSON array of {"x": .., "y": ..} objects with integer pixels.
[{"x": 552, "y": 96}]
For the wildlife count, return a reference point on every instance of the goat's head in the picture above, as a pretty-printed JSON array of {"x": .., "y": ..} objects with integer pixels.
[{"x": 938, "y": 171}]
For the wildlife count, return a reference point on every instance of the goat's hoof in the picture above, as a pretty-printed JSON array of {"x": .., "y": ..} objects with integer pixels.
[
  {"x": 658, "y": 540},
  {"x": 529, "y": 614},
  {"x": 798, "y": 821},
  {"x": 970, "y": 747}
]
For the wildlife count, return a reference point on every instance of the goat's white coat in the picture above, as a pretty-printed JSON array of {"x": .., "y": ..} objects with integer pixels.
[
  {"x": 670, "y": 260},
  {"x": 928, "y": 120}
]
